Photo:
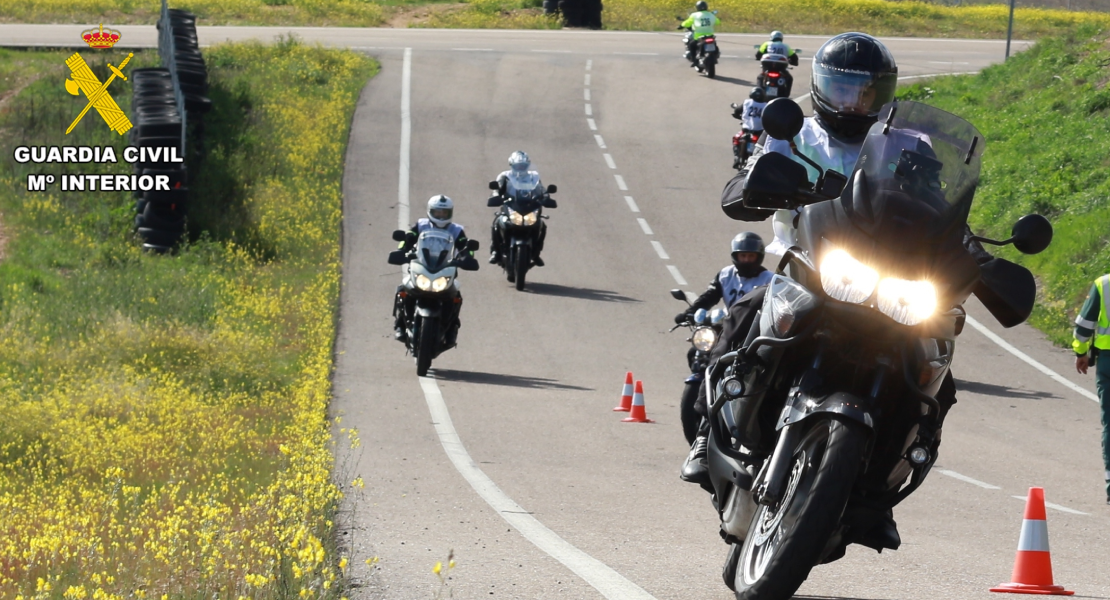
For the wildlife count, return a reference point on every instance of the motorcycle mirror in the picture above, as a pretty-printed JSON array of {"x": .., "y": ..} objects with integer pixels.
[
  {"x": 1031, "y": 234},
  {"x": 467, "y": 263},
  {"x": 398, "y": 235},
  {"x": 471, "y": 245},
  {"x": 550, "y": 203},
  {"x": 493, "y": 185},
  {"x": 832, "y": 184},
  {"x": 678, "y": 294},
  {"x": 552, "y": 188},
  {"x": 783, "y": 118},
  {"x": 397, "y": 257},
  {"x": 494, "y": 201}
]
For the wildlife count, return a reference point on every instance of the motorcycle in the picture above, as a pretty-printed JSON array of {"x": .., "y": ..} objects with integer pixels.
[
  {"x": 826, "y": 415},
  {"x": 707, "y": 53},
  {"x": 429, "y": 293},
  {"x": 743, "y": 143},
  {"x": 774, "y": 76},
  {"x": 519, "y": 215},
  {"x": 705, "y": 328}
]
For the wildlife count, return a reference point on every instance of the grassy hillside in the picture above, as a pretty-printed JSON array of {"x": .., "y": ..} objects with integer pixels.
[
  {"x": 165, "y": 430},
  {"x": 1046, "y": 117}
]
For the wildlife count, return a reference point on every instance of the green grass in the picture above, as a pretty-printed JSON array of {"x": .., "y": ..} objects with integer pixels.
[
  {"x": 165, "y": 420},
  {"x": 1045, "y": 115}
]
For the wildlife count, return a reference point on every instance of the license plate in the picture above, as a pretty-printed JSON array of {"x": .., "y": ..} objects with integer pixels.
[
  {"x": 711, "y": 47},
  {"x": 772, "y": 91}
]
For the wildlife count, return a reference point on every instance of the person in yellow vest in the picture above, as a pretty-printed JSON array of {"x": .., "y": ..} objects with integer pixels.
[{"x": 1092, "y": 336}]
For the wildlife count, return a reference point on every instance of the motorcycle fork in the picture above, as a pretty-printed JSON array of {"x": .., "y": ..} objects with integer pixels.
[{"x": 774, "y": 482}]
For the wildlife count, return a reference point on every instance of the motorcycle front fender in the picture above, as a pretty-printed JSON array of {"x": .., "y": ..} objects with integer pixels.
[
  {"x": 519, "y": 240},
  {"x": 696, "y": 377},
  {"x": 802, "y": 406}
]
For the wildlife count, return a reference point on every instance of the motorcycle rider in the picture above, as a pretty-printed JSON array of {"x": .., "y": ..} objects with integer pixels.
[
  {"x": 519, "y": 164},
  {"x": 775, "y": 45},
  {"x": 751, "y": 116},
  {"x": 440, "y": 210},
  {"x": 701, "y": 24}
]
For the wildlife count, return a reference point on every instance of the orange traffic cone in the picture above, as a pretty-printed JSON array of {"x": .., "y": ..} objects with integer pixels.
[
  {"x": 626, "y": 394},
  {"x": 639, "y": 413},
  {"x": 1033, "y": 565}
]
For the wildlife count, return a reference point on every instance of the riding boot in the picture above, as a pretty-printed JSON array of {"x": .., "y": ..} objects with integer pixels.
[{"x": 696, "y": 467}]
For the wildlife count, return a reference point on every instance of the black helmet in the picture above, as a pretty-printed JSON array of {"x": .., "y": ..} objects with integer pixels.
[
  {"x": 701, "y": 5},
  {"x": 748, "y": 242},
  {"x": 854, "y": 75},
  {"x": 758, "y": 94}
]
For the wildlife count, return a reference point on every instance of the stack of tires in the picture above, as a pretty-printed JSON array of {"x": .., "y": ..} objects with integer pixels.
[
  {"x": 160, "y": 222},
  {"x": 188, "y": 64}
]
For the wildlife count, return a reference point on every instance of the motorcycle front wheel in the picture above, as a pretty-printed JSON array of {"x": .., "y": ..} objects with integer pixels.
[
  {"x": 785, "y": 541},
  {"x": 520, "y": 265},
  {"x": 427, "y": 345},
  {"x": 690, "y": 417}
]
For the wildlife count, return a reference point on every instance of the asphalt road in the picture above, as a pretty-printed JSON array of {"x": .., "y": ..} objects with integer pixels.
[{"x": 531, "y": 385}]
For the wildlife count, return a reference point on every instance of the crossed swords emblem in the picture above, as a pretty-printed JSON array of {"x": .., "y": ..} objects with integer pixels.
[{"x": 84, "y": 80}]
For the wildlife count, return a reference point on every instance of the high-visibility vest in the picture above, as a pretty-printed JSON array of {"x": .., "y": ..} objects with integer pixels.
[{"x": 1101, "y": 337}]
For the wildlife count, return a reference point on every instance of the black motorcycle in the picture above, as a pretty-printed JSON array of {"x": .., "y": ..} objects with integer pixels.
[
  {"x": 705, "y": 328},
  {"x": 826, "y": 415},
  {"x": 706, "y": 54},
  {"x": 519, "y": 222},
  {"x": 774, "y": 76},
  {"x": 428, "y": 296}
]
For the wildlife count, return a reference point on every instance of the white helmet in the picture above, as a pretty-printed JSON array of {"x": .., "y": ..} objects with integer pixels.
[
  {"x": 440, "y": 209},
  {"x": 518, "y": 161},
  {"x": 776, "y": 36}
]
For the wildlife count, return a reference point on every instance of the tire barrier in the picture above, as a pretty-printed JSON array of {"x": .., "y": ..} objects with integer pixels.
[{"x": 168, "y": 103}]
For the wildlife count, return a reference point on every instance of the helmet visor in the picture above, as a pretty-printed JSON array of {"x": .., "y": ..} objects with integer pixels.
[
  {"x": 853, "y": 92},
  {"x": 441, "y": 214}
]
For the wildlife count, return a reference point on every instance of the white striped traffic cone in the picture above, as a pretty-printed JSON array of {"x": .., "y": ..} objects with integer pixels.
[
  {"x": 1033, "y": 565},
  {"x": 639, "y": 412},
  {"x": 626, "y": 394}
]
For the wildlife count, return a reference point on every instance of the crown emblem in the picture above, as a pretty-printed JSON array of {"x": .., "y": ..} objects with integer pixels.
[{"x": 100, "y": 39}]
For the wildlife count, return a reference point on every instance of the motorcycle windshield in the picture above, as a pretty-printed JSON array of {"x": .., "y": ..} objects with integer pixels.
[
  {"x": 524, "y": 190},
  {"x": 920, "y": 167},
  {"x": 433, "y": 249}
]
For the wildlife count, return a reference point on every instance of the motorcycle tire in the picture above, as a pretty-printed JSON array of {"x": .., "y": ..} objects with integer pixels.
[
  {"x": 509, "y": 260},
  {"x": 426, "y": 347},
  {"x": 776, "y": 557},
  {"x": 690, "y": 417},
  {"x": 728, "y": 572},
  {"x": 521, "y": 264},
  {"x": 711, "y": 70}
]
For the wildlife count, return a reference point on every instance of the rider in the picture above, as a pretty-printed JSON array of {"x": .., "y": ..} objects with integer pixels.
[
  {"x": 732, "y": 283},
  {"x": 440, "y": 210},
  {"x": 751, "y": 116},
  {"x": 775, "y": 45},
  {"x": 701, "y": 23},
  {"x": 518, "y": 171}
]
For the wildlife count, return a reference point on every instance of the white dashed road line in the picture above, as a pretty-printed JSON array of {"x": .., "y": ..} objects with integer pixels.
[
  {"x": 620, "y": 183},
  {"x": 644, "y": 225},
  {"x": 609, "y": 160},
  {"x": 600, "y": 142},
  {"x": 966, "y": 479},
  {"x": 587, "y": 79},
  {"x": 592, "y": 124},
  {"x": 589, "y": 110},
  {"x": 659, "y": 250},
  {"x": 587, "y": 94},
  {"x": 677, "y": 276},
  {"x": 631, "y": 204},
  {"x": 1070, "y": 511},
  {"x": 589, "y": 65}
]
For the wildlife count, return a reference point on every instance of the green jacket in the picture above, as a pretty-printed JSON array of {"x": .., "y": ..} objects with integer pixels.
[
  {"x": 1093, "y": 319},
  {"x": 789, "y": 51},
  {"x": 702, "y": 23}
]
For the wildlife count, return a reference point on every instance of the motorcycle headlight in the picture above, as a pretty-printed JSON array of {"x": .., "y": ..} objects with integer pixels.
[
  {"x": 704, "y": 338},
  {"x": 423, "y": 282},
  {"x": 785, "y": 304},
  {"x": 908, "y": 302},
  {"x": 440, "y": 284},
  {"x": 847, "y": 279},
  {"x": 515, "y": 218},
  {"x": 530, "y": 218}
]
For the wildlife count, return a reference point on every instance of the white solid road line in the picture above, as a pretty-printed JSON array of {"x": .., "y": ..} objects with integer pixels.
[
  {"x": 592, "y": 124},
  {"x": 1065, "y": 509},
  {"x": 631, "y": 204},
  {"x": 596, "y": 573},
  {"x": 1028, "y": 359},
  {"x": 644, "y": 225},
  {"x": 620, "y": 183},
  {"x": 659, "y": 250},
  {"x": 472, "y": 49},
  {"x": 406, "y": 141},
  {"x": 677, "y": 276},
  {"x": 609, "y": 160},
  {"x": 966, "y": 479}
]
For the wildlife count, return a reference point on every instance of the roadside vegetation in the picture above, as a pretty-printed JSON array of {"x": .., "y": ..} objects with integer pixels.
[
  {"x": 879, "y": 17},
  {"x": 1045, "y": 115},
  {"x": 165, "y": 429}
]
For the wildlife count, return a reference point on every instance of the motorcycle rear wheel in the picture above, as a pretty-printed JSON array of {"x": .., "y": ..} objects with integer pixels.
[
  {"x": 711, "y": 70},
  {"x": 426, "y": 348},
  {"x": 521, "y": 264},
  {"x": 784, "y": 542}
]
